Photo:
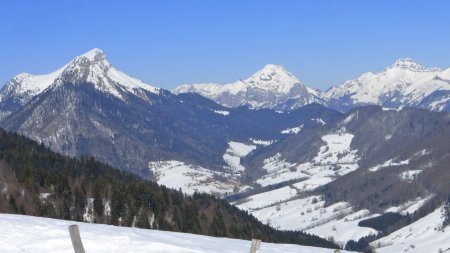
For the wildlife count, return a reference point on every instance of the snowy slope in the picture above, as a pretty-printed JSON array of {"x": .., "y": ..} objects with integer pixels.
[
  {"x": 29, "y": 84},
  {"x": 34, "y": 234},
  {"x": 91, "y": 67},
  {"x": 19, "y": 90},
  {"x": 285, "y": 209},
  {"x": 423, "y": 236},
  {"x": 234, "y": 153},
  {"x": 293, "y": 208},
  {"x": 191, "y": 178},
  {"x": 405, "y": 83},
  {"x": 293, "y": 130},
  {"x": 271, "y": 87},
  {"x": 335, "y": 158}
]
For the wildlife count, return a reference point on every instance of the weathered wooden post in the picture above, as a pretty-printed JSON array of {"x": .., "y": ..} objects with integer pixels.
[
  {"x": 76, "y": 239},
  {"x": 255, "y": 245}
]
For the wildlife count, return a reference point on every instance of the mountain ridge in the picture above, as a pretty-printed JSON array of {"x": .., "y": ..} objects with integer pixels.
[
  {"x": 93, "y": 109},
  {"x": 267, "y": 88},
  {"x": 403, "y": 83}
]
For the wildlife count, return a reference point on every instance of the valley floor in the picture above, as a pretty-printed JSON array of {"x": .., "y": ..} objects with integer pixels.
[{"x": 20, "y": 233}]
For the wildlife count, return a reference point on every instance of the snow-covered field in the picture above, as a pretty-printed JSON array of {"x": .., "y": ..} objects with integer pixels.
[
  {"x": 319, "y": 121},
  {"x": 262, "y": 142},
  {"x": 423, "y": 236},
  {"x": 293, "y": 207},
  {"x": 293, "y": 130},
  {"x": 335, "y": 158},
  {"x": 268, "y": 198},
  {"x": 191, "y": 178},
  {"x": 288, "y": 208},
  {"x": 234, "y": 153},
  {"x": 224, "y": 113},
  {"x": 410, "y": 206},
  {"x": 34, "y": 234},
  {"x": 388, "y": 163},
  {"x": 339, "y": 221}
]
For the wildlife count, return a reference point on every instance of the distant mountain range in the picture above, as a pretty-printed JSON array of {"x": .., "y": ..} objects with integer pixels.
[
  {"x": 272, "y": 87},
  {"x": 403, "y": 84},
  {"x": 89, "y": 108}
]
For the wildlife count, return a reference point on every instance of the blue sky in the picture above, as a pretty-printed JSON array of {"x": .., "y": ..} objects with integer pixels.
[{"x": 166, "y": 43}]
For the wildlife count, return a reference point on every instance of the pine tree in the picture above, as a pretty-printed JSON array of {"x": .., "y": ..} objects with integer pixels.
[
  {"x": 446, "y": 213},
  {"x": 98, "y": 200}
]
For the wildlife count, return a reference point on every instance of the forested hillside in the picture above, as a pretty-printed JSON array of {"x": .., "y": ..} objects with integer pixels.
[{"x": 36, "y": 181}]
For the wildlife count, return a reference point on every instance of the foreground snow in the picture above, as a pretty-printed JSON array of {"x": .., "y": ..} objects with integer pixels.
[{"x": 34, "y": 234}]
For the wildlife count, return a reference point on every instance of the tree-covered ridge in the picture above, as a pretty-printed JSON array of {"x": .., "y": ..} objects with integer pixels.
[{"x": 36, "y": 181}]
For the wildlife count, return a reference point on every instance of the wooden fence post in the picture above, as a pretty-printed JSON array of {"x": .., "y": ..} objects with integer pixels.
[
  {"x": 76, "y": 239},
  {"x": 255, "y": 245}
]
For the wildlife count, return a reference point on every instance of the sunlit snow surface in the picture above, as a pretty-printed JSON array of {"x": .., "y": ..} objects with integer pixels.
[
  {"x": 409, "y": 206},
  {"x": 335, "y": 158},
  {"x": 224, "y": 113},
  {"x": 293, "y": 130},
  {"x": 339, "y": 220},
  {"x": 423, "y": 236},
  {"x": 267, "y": 88},
  {"x": 288, "y": 208},
  {"x": 262, "y": 142},
  {"x": 190, "y": 178},
  {"x": 42, "y": 235},
  {"x": 388, "y": 163},
  {"x": 234, "y": 153},
  {"x": 403, "y": 83}
]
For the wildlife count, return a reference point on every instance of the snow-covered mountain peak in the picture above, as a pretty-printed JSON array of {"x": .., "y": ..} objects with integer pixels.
[
  {"x": 24, "y": 86},
  {"x": 407, "y": 63},
  {"x": 271, "y": 87},
  {"x": 406, "y": 82},
  {"x": 273, "y": 77},
  {"x": 89, "y": 68},
  {"x": 410, "y": 64},
  {"x": 270, "y": 70},
  {"x": 93, "y": 68},
  {"x": 94, "y": 59},
  {"x": 94, "y": 54}
]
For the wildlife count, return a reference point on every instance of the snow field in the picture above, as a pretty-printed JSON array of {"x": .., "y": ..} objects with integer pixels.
[
  {"x": 224, "y": 113},
  {"x": 191, "y": 178},
  {"x": 42, "y": 235},
  {"x": 423, "y": 236},
  {"x": 335, "y": 158},
  {"x": 234, "y": 153},
  {"x": 294, "y": 130}
]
